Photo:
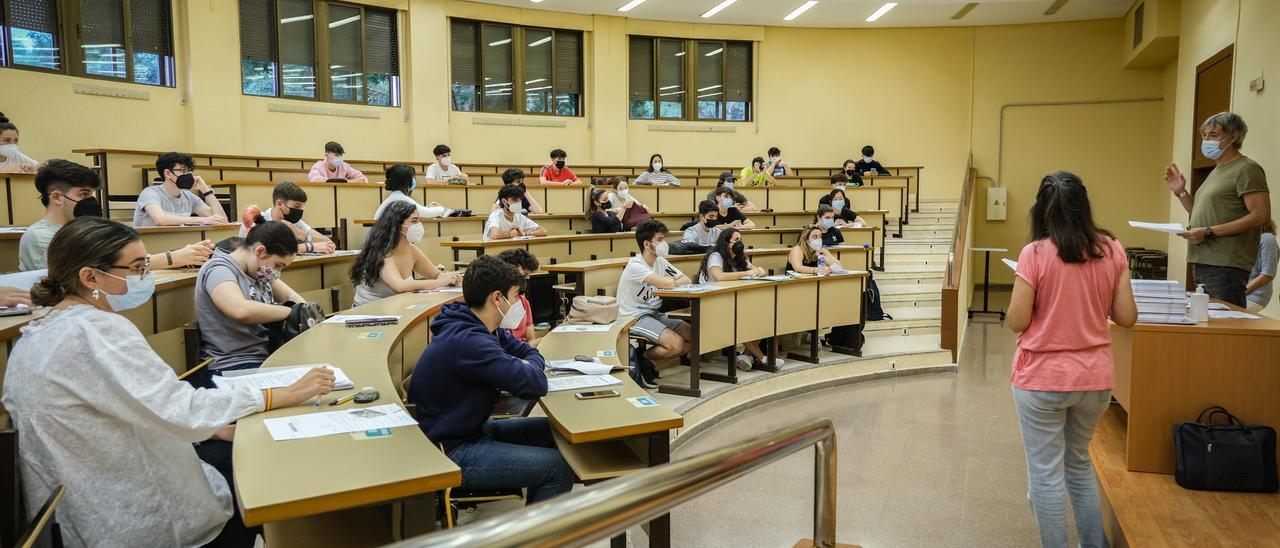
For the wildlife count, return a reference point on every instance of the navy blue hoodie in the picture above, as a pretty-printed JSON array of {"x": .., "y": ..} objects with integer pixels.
[{"x": 457, "y": 379}]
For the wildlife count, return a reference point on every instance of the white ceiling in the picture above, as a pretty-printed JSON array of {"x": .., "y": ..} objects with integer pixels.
[{"x": 840, "y": 13}]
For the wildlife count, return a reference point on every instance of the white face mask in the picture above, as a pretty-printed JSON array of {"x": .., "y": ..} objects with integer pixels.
[
  {"x": 657, "y": 166},
  {"x": 446, "y": 161},
  {"x": 661, "y": 249},
  {"x": 513, "y": 316},
  {"x": 9, "y": 151},
  {"x": 866, "y": 159},
  {"x": 336, "y": 161},
  {"x": 415, "y": 233},
  {"x": 624, "y": 193},
  {"x": 140, "y": 289},
  {"x": 815, "y": 244},
  {"x": 515, "y": 207},
  {"x": 774, "y": 158}
]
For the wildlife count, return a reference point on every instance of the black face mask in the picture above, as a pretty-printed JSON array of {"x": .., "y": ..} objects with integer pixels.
[
  {"x": 850, "y": 172},
  {"x": 88, "y": 207},
  {"x": 738, "y": 248},
  {"x": 522, "y": 188},
  {"x": 185, "y": 181},
  {"x": 559, "y": 164},
  {"x": 712, "y": 222},
  {"x": 294, "y": 215}
]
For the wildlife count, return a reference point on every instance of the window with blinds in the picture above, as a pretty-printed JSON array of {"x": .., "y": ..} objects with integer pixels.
[
  {"x": 313, "y": 49},
  {"x": 678, "y": 79},
  {"x": 496, "y": 67},
  {"x": 122, "y": 40}
]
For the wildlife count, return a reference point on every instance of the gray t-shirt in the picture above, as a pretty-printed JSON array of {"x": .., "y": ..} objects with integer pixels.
[
  {"x": 185, "y": 203},
  {"x": 231, "y": 344},
  {"x": 699, "y": 236},
  {"x": 1268, "y": 255},
  {"x": 738, "y": 197},
  {"x": 34, "y": 245}
]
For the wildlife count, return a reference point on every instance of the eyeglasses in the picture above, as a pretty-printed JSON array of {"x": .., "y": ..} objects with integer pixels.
[
  {"x": 134, "y": 270},
  {"x": 182, "y": 171}
]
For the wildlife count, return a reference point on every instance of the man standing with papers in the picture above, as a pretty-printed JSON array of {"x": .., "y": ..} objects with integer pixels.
[
  {"x": 1226, "y": 211},
  {"x": 471, "y": 358}
]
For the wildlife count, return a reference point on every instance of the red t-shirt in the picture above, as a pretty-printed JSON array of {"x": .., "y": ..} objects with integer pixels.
[
  {"x": 1067, "y": 347},
  {"x": 521, "y": 329},
  {"x": 554, "y": 175}
]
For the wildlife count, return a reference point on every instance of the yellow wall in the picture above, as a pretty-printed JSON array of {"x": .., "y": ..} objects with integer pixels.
[{"x": 1207, "y": 27}]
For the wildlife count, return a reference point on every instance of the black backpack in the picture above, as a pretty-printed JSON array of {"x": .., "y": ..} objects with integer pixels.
[{"x": 875, "y": 311}]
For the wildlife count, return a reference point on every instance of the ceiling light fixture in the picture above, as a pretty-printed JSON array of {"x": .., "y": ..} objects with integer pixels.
[
  {"x": 537, "y": 43},
  {"x": 296, "y": 19},
  {"x": 803, "y": 8},
  {"x": 880, "y": 12},
  {"x": 713, "y": 52},
  {"x": 964, "y": 11},
  {"x": 1057, "y": 5},
  {"x": 536, "y": 1},
  {"x": 500, "y": 42},
  {"x": 679, "y": 54},
  {"x": 630, "y": 5},
  {"x": 722, "y": 5},
  {"x": 341, "y": 22}
]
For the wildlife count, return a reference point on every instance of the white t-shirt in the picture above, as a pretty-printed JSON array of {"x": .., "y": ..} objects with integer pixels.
[
  {"x": 496, "y": 218},
  {"x": 427, "y": 212},
  {"x": 302, "y": 225},
  {"x": 635, "y": 296},
  {"x": 717, "y": 261},
  {"x": 436, "y": 173}
]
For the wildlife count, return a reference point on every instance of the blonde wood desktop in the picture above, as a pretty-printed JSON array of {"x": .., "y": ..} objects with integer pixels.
[
  {"x": 157, "y": 239},
  {"x": 1166, "y": 374}
]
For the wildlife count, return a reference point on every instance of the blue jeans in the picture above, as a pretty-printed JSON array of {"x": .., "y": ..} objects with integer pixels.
[
  {"x": 515, "y": 453},
  {"x": 1056, "y": 428}
]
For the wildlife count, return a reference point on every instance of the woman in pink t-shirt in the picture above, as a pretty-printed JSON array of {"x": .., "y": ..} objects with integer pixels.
[{"x": 1070, "y": 279}]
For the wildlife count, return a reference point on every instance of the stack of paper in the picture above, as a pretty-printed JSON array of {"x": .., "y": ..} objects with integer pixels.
[
  {"x": 314, "y": 425},
  {"x": 588, "y": 368},
  {"x": 1161, "y": 301},
  {"x": 580, "y": 382},
  {"x": 277, "y": 377}
]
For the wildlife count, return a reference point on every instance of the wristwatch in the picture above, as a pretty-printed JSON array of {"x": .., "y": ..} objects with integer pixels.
[
  {"x": 204, "y": 195},
  {"x": 1209, "y": 236}
]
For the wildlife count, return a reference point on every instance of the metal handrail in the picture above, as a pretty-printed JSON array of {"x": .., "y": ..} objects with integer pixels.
[{"x": 603, "y": 510}]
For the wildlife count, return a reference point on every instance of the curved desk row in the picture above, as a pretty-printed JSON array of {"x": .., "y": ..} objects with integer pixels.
[{"x": 157, "y": 239}]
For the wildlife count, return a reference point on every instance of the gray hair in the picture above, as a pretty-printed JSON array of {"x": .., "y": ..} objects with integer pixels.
[{"x": 1231, "y": 123}]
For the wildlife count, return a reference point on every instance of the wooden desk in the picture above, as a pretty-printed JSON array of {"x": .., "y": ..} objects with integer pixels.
[
  {"x": 601, "y": 276},
  {"x": 794, "y": 305},
  {"x": 291, "y": 479},
  {"x": 1169, "y": 373},
  {"x": 608, "y": 437},
  {"x": 557, "y": 249},
  {"x": 157, "y": 239},
  {"x": 20, "y": 203}
]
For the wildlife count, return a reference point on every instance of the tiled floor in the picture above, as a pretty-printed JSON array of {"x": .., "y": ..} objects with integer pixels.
[{"x": 925, "y": 461}]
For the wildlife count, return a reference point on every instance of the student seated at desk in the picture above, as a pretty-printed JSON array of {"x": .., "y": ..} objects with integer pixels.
[
  {"x": 868, "y": 165},
  {"x": 644, "y": 274},
  {"x": 400, "y": 183},
  {"x": 528, "y": 204},
  {"x": 556, "y": 173},
  {"x": 804, "y": 255},
  {"x": 508, "y": 222},
  {"x": 731, "y": 211},
  {"x": 604, "y": 218},
  {"x": 443, "y": 170},
  {"x": 334, "y": 166},
  {"x": 727, "y": 180},
  {"x": 458, "y": 378},
  {"x": 758, "y": 173},
  {"x": 827, "y": 220},
  {"x": 238, "y": 291},
  {"x": 840, "y": 203},
  {"x": 288, "y": 200},
  {"x": 172, "y": 202},
  {"x": 67, "y": 191},
  {"x": 780, "y": 167},
  {"x": 705, "y": 231},
  {"x": 104, "y": 416},
  {"x": 838, "y": 183},
  {"x": 621, "y": 198},
  {"x": 726, "y": 262},
  {"x": 391, "y": 257},
  {"x": 1258, "y": 291},
  {"x": 526, "y": 264},
  {"x": 852, "y": 176},
  {"x": 13, "y": 160},
  {"x": 1070, "y": 279},
  {"x": 657, "y": 174}
]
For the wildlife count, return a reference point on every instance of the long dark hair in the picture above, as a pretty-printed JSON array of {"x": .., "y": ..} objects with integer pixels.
[
  {"x": 650, "y": 167},
  {"x": 94, "y": 242},
  {"x": 732, "y": 263},
  {"x": 593, "y": 198},
  {"x": 1062, "y": 215},
  {"x": 381, "y": 241}
]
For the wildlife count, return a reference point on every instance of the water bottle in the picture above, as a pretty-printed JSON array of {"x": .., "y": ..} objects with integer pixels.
[{"x": 822, "y": 263}]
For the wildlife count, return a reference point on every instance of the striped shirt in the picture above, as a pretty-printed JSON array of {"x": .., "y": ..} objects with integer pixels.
[{"x": 661, "y": 178}]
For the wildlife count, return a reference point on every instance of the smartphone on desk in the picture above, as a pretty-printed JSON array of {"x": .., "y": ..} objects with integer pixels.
[{"x": 597, "y": 394}]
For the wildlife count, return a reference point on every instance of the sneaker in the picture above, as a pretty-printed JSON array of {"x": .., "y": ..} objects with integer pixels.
[
  {"x": 644, "y": 374},
  {"x": 744, "y": 362}
]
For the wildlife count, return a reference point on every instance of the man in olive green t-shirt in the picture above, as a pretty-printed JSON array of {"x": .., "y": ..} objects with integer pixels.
[{"x": 1227, "y": 210}]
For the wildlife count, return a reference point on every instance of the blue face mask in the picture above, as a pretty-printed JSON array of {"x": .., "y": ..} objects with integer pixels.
[
  {"x": 828, "y": 223},
  {"x": 140, "y": 289},
  {"x": 413, "y": 183},
  {"x": 727, "y": 202},
  {"x": 837, "y": 204},
  {"x": 1211, "y": 149}
]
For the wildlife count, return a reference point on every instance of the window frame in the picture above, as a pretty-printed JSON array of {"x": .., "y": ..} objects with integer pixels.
[
  {"x": 320, "y": 37},
  {"x": 690, "y": 101},
  {"x": 70, "y": 50},
  {"x": 518, "y": 68}
]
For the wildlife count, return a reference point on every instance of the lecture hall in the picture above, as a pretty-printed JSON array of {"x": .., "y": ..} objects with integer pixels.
[{"x": 685, "y": 283}]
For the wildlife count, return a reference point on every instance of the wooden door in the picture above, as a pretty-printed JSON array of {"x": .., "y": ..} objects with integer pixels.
[{"x": 1213, "y": 95}]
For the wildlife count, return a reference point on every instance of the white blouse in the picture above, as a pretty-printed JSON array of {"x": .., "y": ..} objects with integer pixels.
[{"x": 99, "y": 412}]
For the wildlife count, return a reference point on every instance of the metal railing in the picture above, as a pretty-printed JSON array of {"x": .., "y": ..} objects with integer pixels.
[{"x": 608, "y": 508}]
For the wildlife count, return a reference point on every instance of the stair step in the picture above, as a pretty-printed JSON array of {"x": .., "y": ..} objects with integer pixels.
[
  {"x": 896, "y": 324},
  {"x": 895, "y": 345},
  {"x": 916, "y": 301},
  {"x": 907, "y": 278},
  {"x": 931, "y": 329},
  {"x": 917, "y": 269},
  {"x": 900, "y": 311},
  {"x": 908, "y": 246},
  {"x": 909, "y": 289}
]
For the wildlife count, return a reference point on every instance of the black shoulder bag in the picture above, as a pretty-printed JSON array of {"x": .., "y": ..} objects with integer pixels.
[{"x": 1224, "y": 457}]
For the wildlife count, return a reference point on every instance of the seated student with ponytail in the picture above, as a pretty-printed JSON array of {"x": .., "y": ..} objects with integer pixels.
[
  {"x": 67, "y": 192},
  {"x": 288, "y": 200},
  {"x": 400, "y": 183},
  {"x": 727, "y": 262},
  {"x": 604, "y": 218},
  {"x": 826, "y": 220},
  {"x": 183, "y": 198},
  {"x": 804, "y": 255},
  {"x": 239, "y": 290},
  {"x": 391, "y": 257},
  {"x": 621, "y": 199},
  {"x": 104, "y": 416}
]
